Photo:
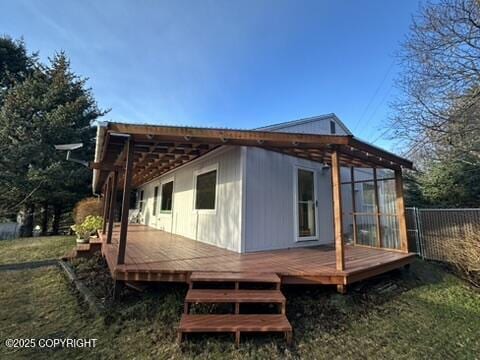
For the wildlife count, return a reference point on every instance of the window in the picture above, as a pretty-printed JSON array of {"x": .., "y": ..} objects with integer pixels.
[
  {"x": 155, "y": 196},
  {"x": 167, "y": 197},
  {"x": 306, "y": 204},
  {"x": 368, "y": 196},
  {"x": 205, "y": 189},
  {"x": 140, "y": 201},
  {"x": 333, "y": 127}
]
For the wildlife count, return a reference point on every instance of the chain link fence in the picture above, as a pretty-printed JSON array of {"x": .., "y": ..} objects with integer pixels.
[{"x": 430, "y": 231}]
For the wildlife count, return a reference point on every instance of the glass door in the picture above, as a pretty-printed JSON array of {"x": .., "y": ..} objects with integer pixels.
[{"x": 306, "y": 204}]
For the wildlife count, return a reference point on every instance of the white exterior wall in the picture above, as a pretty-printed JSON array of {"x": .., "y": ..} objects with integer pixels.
[
  {"x": 221, "y": 227},
  {"x": 270, "y": 201},
  {"x": 313, "y": 127},
  {"x": 256, "y": 208}
]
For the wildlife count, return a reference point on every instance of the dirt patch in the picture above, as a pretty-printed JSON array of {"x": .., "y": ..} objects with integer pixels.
[{"x": 94, "y": 273}]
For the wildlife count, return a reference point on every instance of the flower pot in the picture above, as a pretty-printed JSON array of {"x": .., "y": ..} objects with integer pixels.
[{"x": 83, "y": 239}]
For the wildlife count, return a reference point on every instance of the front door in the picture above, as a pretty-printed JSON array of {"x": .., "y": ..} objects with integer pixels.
[{"x": 306, "y": 205}]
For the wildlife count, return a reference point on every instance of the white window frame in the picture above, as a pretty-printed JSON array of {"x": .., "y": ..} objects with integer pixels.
[
  {"x": 166, "y": 213},
  {"x": 333, "y": 126},
  {"x": 196, "y": 173},
  {"x": 155, "y": 210},
  {"x": 296, "y": 235},
  {"x": 142, "y": 201}
]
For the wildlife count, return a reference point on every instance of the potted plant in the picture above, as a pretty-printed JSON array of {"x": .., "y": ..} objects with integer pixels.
[{"x": 87, "y": 228}]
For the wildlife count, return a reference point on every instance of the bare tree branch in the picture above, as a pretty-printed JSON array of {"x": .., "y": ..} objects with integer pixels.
[{"x": 438, "y": 111}]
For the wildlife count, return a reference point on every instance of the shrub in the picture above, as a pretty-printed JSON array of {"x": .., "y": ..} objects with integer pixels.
[
  {"x": 88, "y": 206},
  {"x": 88, "y": 227},
  {"x": 465, "y": 256}
]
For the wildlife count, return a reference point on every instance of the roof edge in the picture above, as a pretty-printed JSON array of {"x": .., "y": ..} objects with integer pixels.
[{"x": 307, "y": 120}]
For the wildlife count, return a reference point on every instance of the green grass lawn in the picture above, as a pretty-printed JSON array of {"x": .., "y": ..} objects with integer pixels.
[
  {"x": 426, "y": 312},
  {"x": 39, "y": 248}
]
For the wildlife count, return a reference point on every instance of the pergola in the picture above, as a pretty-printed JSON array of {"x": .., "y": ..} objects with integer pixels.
[{"x": 132, "y": 154}]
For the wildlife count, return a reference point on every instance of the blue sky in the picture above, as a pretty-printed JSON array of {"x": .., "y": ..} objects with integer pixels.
[{"x": 240, "y": 64}]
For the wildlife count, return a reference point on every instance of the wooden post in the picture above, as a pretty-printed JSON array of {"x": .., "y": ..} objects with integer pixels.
[
  {"x": 377, "y": 207},
  {"x": 122, "y": 242},
  {"x": 354, "y": 205},
  {"x": 337, "y": 211},
  {"x": 402, "y": 223},
  {"x": 237, "y": 338},
  {"x": 113, "y": 201},
  {"x": 117, "y": 289},
  {"x": 106, "y": 198}
]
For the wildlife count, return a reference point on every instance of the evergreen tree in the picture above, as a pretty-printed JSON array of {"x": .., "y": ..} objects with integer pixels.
[
  {"x": 15, "y": 63},
  {"x": 451, "y": 184},
  {"x": 51, "y": 105}
]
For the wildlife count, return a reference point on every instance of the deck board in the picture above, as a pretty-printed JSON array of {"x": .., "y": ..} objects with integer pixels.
[
  {"x": 226, "y": 323},
  {"x": 254, "y": 277},
  {"x": 234, "y": 296},
  {"x": 155, "y": 255}
]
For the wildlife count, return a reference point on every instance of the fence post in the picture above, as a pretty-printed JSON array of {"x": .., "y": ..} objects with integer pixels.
[
  {"x": 418, "y": 222},
  {"x": 400, "y": 203},
  {"x": 417, "y": 234}
]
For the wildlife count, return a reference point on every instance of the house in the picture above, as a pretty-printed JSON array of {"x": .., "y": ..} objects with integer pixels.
[{"x": 301, "y": 202}]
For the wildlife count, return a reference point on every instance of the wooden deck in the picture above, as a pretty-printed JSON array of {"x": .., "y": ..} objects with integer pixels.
[{"x": 155, "y": 255}]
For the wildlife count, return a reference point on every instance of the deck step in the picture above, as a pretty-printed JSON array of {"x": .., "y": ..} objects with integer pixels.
[
  {"x": 234, "y": 296},
  {"x": 87, "y": 249},
  {"x": 250, "y": 277},
  {"x": 83, "y": 247},
  {"x": 95, "y": 244},
  {"x": 235, "y": 324}
]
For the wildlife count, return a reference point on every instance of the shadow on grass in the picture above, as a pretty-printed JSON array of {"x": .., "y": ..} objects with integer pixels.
[{"x": 321, "y": 308}]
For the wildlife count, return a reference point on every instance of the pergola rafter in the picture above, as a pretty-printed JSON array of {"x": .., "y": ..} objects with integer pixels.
[
  {"x": 159, "y": 149},
  {"x": 140, "y": 153}
]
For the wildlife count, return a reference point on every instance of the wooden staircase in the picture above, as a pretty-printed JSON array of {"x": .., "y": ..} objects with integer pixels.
[
  {"x": 234, "y": 323},
  {"x": 85, "y": 250}
]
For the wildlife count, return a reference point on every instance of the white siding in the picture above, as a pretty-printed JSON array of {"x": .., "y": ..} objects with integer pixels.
[
  {"x": 314, "y": 127},
  {"x": 221, "y": 228},
  {"x": 269, "y": 204}
]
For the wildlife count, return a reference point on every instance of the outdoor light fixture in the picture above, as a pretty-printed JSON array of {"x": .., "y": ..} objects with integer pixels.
[{"x": 69, "y": 148}]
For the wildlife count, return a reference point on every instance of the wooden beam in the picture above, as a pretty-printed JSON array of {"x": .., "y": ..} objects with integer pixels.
[
  {"x": 370, "y": 160},
  {"x": 145, "y": 158},
  {"x": 113, "y": 201},
  {"x": 315, "y": 147},
  {"x": 377, "y": 206},
  {"x": 102, "y": 167},
  {"x": 337, "y": 211},
  {"x": 106, "y": 200},
  {"x": 385, "y": 155},
  {"x": 127, "y": 181},
  {"x": 153, "y": 170},
  {"x": 165, "y": 158},
  {"x": 103, "y": 193},
  {"x": 368, "y": 180},
  {"x": 226, "y": 134},
  {"x": 402, "y": 223},
  {"x": 106, "y": 142}
]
